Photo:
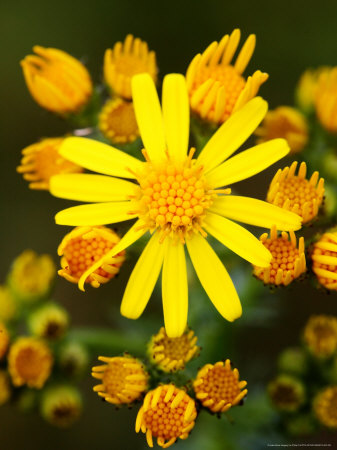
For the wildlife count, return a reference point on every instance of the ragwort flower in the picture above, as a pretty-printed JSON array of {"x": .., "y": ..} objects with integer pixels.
[
  {"x": 325, "y": 407},
  {"x": 177, "y": 198},
  {"x": 324, "y": 259}
]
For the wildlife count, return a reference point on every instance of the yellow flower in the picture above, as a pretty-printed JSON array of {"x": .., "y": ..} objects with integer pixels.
[
  {"x": 42, "y": 160},
  {"x": 4, "y": 340},
  {"x": 286, "y": 393},
  {"x": 29, "y": 362},
  {"x": 295, "y": 193},
  {"x": 83, "y": 246},
  {"x": 168, "y": 413},
  {"x": 126, "y": 60},
  {"x": 326, "y": 99},
  {"x": 320, "y": 335},
  {"x": 123, "y": 379},
  {"x": 57, "y": 81},
  {"x": 284, "y": 122},
  {"x": 61, "y": 405},
  {"x": 5, "y": 390},
  {"x": 218, "y": 388},
  {"x": 325, "y": 407},
  {"x": 171, "y": 354},
  {"x": 288, "y": 260},
  {"x": 324, "y": 260},
  {"x": 216, "y": 86},
  {"x": 50, "y": 321},
  {"x": 306, "y": 88},
  {"x": 177, "y": 198},
  {"x": 8, "y": 307}
]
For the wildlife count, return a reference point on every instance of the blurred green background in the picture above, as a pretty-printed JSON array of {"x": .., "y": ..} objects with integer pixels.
[{"x": 291, "y": 36}]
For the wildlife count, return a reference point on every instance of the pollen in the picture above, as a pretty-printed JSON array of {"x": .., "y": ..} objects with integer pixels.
[
  {"x": 123, "y": 379},
  {"x": 82, "y": 247},
  {"x": 168, "y": 413},
  {"x": 42, "y": 160},
  {"x": 117, "y": 121},
  {"x": 295, "y": 193},
  {"x": 324, "y": 260},
  {"x": 288, "y": 258},
  {"x": 4, "y": 340},
  {"x": 320, "y": 335},
  {"x": 126, "y": 60},
  {"x": 325, "y": 407},
  {"x": 171, "y": 354},
  {"x": 218, "y": 388}
]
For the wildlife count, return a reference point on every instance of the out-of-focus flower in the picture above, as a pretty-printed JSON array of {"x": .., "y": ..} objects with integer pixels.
[
  {"x": 295, "y": 193},
  {"x": 288, "y": 259},
  {"x": 325, "y": 407},
  {"x": 4, "y": 340},
  {"x": 306, "y": 88},
  {"x": 326, "y": 99},
  {"x": 320, "y": 335},
  {"x": 31, "y": 276},
  {"x": 42, "y": 160},
  {"x": 284, "y": 122},
  {"x": 29, "y": 362},
  {"x": 168, "y": 413},
  {"x": 57, "y": 81},
  {"x": 216, "y": 86},
  {"x": 5, "y": 390},
  {"x": 73, "y": 358},
  {"x": 8, "y": 307},
  {"x": 123, "y": 379},
  {"x": 82, "y": 247},
  {"x": 61, "y": 405},
  {"x": 126, "y": 60},
  {"x": 49, "y": 321},
  {"x": 171, "y": 354},
  {"x": 177, "y": 198},
  {"x": 218, "y": 387},
  {"x": 117, "y": 121},
  {"x": 324, "y": 259},
  {"x": 293, "y": 360},
  {"x": 286, "y": 393}
]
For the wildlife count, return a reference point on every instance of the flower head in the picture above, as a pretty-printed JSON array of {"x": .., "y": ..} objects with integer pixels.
[
  {"x": 326, "y": 99},
  {"x": 177, "y": 198},
  {"x": 320, "y": 335},
  {"x": 57, "y": 81},
  {"x": 126, "y": 60},
  {"x": 218, "y": 388},
  {"x": 5, "y": 389},
  {"x": 83, "y": 246},
  {"x": 117, "y": 121},
  {"x": 42, "y": 160},
  {"x": 216, "y": 85},
  {"x": 8, "y": 307},
  {"x": 123, "y": 379},
  {"x": 324, "y": 260},
  {"x": 284, "y": 122},
  {"x": 4, "y": 340},
  {"x": 61, "y": 405},
  {"x": 325, "y": 407},
  {"x": 171, "y": 354},
  {"x": 49, "y": 321},
  {"x": 306, "y": 88},
  {"x": 29, "y": 362},
  {"x": 168, "y": 413},
  {"x": 288, "y": 259},
  {"x": 296, "y": 193},
  {"x": 286, "y": 393}
]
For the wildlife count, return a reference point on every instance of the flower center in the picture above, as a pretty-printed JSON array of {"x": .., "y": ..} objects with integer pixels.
[
  {"x": 30, "y": 363},
  {"x": 118, "y": 122}
]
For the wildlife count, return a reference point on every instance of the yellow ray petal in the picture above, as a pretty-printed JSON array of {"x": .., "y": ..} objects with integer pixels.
[
  {"x": 214, "y": 278},
  {"x": 99, "y": 157},
  {"x": 95, "y": 214},
  {"x": 91, "y": 188},
  {"x": 174, "y": 287},
  {"x": 255, "y": 212},
  {"x": 176, "y": 113},
  {"x": 233, "y": 133},
  {"x": 143, "y": 279},
  {"x": 248, "y": 163},
  {"x": 149, "y": 116},
  {"x": 237, "y": 239}
]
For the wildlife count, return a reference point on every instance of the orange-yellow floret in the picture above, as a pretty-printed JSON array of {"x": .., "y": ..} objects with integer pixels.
[
  {"x": 218, "y": 388},
  {"x": 320, "y": 335},
  {"x": 325, "y": 407},
  {"x": 4, "y": 340},
  {"x": 324, "y": 260},
  {"x": 168, "y": 413}
]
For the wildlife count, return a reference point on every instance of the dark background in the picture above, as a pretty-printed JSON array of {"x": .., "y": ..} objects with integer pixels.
[{"x": 291, "y": 36}]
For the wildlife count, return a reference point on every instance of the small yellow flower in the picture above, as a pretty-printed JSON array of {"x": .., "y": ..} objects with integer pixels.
[
  {"x": 326, "y": 99},
  {"x": 295, "y": 193},
  {"x": 4, "y": 340},
  {"x": 320, "y": 335},
  {"x": 286, "y": 393},
  {"x": 126, "y": 60},
  {"x": 218, "y": 388},
  {"x": 5, "y": 389},
  {"x": 50, "y": 321},
  {"x": 284, "y": 122},
  {"x": 325, "y": 407},
  {"x": 324, "y": 259},
  {"x": 306, "y": 88},
  {"x": 288, "y": 260},
  {"x": 216, "y": 86},
  {"x": 61, "y": 405},
  {"x": 8, "y": 307},
  {"x": 83, "y": 246},
  {"x": 57, "y": 81},
  {"x": 117, "y": 121},
  {"x": 168, "y": 413},
  {"x": 171, "y": 354},
  {"x": 123, "y": 379},
  {"x": 29, "y": 362},
  {"x": 42, "y": 160}
]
